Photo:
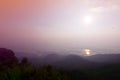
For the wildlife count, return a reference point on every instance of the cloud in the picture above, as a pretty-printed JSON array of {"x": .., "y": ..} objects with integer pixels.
[
  {"x": 97, "y": 9},
  {"x": 101, "y": 9}
]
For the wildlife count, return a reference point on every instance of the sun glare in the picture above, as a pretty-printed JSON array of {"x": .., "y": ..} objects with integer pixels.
[
  {"x": 88, "y": 20},
  {"x": 87, "y": 52}
]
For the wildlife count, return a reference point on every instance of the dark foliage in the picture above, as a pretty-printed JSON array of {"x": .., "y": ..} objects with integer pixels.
[
  {"x": 7, "y": 58},
  {"x": 11, "y": 69}
]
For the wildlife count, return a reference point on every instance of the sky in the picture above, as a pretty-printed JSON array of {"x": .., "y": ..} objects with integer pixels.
[{"x": 60, "y": 25}]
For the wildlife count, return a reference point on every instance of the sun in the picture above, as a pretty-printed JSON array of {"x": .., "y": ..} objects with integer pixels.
[
  {"x": 88, "y": 19},
  {"x": 87, "y": 52}
]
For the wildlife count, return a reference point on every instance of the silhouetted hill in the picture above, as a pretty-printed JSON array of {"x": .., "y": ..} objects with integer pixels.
[
  {"x": 52, "y": 58},
  {"x": 105, "y": 58},
  {"x": 72, "y": 61},
  {"x": 62, "y": 61},
  {"x": 75, "y": 62}
]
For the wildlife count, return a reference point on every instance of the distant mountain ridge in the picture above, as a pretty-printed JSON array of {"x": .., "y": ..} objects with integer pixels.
[
  {"x": 105, "y": 58},
  {"x": 74, "y": 61}
]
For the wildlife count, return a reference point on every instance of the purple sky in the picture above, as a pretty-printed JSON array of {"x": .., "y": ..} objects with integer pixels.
[{"x": 58, "y": 25}]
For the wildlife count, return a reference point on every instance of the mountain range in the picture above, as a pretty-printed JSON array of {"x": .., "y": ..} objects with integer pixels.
[{"x": 73, "y": 61}]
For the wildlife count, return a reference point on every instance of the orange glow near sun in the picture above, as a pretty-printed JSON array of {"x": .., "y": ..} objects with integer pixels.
[{"x": 87, "y": 52}]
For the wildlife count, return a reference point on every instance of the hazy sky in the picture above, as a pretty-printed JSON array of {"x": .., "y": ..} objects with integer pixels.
[{"x": 60, "y": 25}]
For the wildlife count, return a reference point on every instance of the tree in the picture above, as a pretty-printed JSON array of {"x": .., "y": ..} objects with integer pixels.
[
  {"x": 25, "y": 62},
  {"x": 7, "y": 58}
]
